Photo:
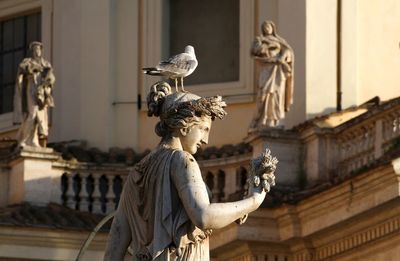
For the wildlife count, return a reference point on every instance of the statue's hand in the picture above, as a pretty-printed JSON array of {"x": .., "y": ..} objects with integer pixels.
[
  {"x": 263, "y": 168},
  {"x": 268, "y": 180},
  {"x": 241, "y": 220},
  {"x": 266, "y": 59},
  {"x": 32, "y": 68}
]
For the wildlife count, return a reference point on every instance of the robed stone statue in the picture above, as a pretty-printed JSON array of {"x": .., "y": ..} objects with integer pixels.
[
  {"x": 165, "y": 213},
  {"x": 275, "y": 58},
  {"x": 32, "y": 98}
]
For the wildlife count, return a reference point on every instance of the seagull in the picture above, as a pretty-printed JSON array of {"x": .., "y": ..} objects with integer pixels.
[{"x": 177, "y": 66}]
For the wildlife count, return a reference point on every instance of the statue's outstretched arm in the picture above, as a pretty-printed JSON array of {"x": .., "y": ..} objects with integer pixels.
[
  {"x": 119, "y": 237},
  {"x": 193, "y": 194}
]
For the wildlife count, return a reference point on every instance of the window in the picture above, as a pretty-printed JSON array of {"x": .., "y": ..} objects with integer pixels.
[
  {"x": 15, "y": 35},
  {"x": 212, "y": 27},
  {"x": 221, "y": 32}
]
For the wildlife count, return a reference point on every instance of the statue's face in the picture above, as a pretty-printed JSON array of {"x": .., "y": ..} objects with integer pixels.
[
  {"x": 37, "y": 51},
  {"x": 268, "y": 29},
  {"x": 194, "y": 137}
]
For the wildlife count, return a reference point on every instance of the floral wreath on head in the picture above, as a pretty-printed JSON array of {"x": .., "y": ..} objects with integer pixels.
[{"x": 210, "y": 106}]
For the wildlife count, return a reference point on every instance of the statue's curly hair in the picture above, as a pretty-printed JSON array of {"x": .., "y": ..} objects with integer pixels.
[{"x": 180, "y": 110}]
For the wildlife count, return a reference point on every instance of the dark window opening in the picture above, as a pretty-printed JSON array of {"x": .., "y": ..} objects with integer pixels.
[
  {"x": 212, "y": 28},
  {"x": 15, "y": 35}
]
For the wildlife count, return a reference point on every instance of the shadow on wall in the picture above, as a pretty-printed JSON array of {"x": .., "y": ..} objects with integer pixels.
[{"x": 326, "y": 111}]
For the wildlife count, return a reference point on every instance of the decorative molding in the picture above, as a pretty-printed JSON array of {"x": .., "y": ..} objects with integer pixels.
[
  {"x": 240, "y": 160},
  {"x": 16, "y": 7},
  {"x": 391, "y": 226}
]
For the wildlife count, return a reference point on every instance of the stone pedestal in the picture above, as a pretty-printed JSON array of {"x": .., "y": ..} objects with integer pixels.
[
  {"x": 286, "y": 146},
  {"x": 27, "y": 176}
]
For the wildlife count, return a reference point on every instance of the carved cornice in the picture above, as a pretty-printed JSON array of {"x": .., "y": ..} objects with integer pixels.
[
  {"x": 348, "y": 199},
  {"x": 349, "y": 243}
]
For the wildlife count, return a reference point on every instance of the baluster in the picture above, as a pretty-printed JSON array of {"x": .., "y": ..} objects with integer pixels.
[
  {"x": 389, "y": 127},
  {"x": 71, "y": 203},
  {"x": 359, "y": 140},
  {"x": 352, "y": 145},
  {"x": 373, "y": 132},
  {"x": 348, "y": 149},
  {"x": 397, "y": 115},
  {"x": 110, "y": 205},
  {"x": 344, "y": 151},
  {"x": 367, "y": 139},
  {"x": 363, "y": 139},
  {"x": 96, "y": 194},
  {"x": 83, "y": 194},
  {"x": 393, "y": 126},
  {"x": 215, "y": 191},
  {"x": 341, "y": 149},
  {"x": 384, "y": 129}
]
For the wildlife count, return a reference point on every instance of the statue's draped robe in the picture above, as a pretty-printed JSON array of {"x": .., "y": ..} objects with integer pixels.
[
  {"x": 159, "y": 224},
  {"x": 275, "y": 85},
  {"x": 27, "y": 112}
]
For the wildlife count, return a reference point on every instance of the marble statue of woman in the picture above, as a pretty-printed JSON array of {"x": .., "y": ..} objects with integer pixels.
[
  {"x": 165, "y": 212},
  {"x": 32, "y": 98},
  {"x": 275, "y": 83}
]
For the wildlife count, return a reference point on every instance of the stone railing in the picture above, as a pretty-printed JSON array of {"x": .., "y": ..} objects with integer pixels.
[
  {"x": 97, "y": 188},
  {"x": 367, "y": 139},
  {"x": 356, "y": 147},
  {"x": 332, "y": 150},
  {"x": 90, "y": 187},
  {"x": 390, "y": 129},
  {"x": 226, "y": 177}
]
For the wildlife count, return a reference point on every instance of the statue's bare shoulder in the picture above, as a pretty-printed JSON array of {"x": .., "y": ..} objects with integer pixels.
[{"x": 185, "y": 170}]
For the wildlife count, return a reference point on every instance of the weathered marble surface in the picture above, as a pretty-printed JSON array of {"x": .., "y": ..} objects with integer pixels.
[
  {"x": 275, "y": 81},
  {"x": 165, "y": 211},
  {"x": 32, "y": 98}
]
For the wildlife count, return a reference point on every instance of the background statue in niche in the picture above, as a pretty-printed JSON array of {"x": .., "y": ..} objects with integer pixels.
[
  {"x": 275, "y": 83},
  {"x": 165, "y": 212},
  {"x": 32, "y": 98}
]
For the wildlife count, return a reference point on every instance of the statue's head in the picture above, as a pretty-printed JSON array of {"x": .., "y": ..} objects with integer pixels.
[
  {"x": 268, "y": 28},
  {"x": 185, "y": 115},
  {"x": 36, "y": 48}
]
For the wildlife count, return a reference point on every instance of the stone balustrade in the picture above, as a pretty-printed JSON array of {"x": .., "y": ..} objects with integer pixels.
[
  {"x": 93, "y": 188},
  {"x": 345, "y": 149},
  {"x": 349, "y": 147},
  {"x": 226, "y": 177},
  {"x": 356, "y": 147},
  {"x": 317, "y": 153},
  {"x": 366, "y": 140},
  {"x": 390, "y": 129}
]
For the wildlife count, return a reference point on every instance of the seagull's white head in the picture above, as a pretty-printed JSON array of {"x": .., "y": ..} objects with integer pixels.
[{"x": 190, "y": 50}]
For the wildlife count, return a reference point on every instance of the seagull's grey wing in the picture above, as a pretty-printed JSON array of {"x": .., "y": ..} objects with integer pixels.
[{"x": 178, "y": 64}]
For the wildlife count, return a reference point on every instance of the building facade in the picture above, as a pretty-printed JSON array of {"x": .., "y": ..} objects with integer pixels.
[{"x": 338, "y": 181}]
